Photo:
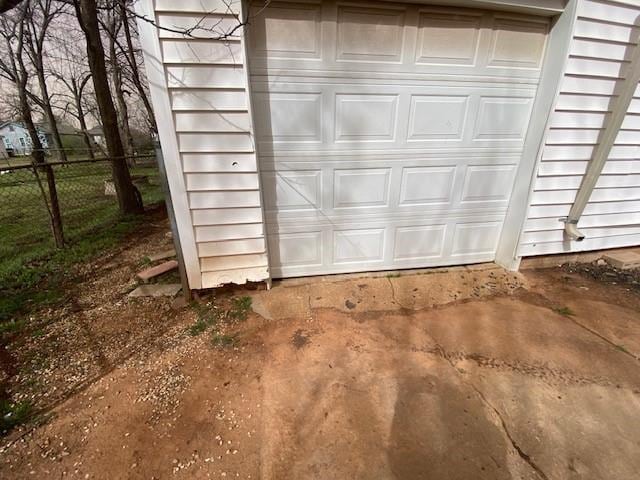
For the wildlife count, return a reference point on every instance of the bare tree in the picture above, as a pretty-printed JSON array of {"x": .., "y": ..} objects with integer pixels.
[
  {"x": 133, "y": 60},
  {"x": 128, "y": 197},
  {"x": 14, "y": 69},
  {"x": 112, "y": 26},
  {"x": 75, "y": 107},
  {"x": 39, "y": 15}
]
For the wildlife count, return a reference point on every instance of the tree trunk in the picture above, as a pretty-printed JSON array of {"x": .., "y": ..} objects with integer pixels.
[
  {"x": 48, "y": 110},
  {"x": 83, "y": 128},
  {"x": 116, "y": 80},
  {"x": 133, "y": 65},
  {"x": 127, "y": 198},
  {"x": 38, "y": 158}
]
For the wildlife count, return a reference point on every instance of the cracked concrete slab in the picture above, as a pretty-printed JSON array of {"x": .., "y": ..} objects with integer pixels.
[{"x": 460, "y": 374}]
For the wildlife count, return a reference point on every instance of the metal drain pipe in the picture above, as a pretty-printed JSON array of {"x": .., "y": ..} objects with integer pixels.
[{"x": 603, "y": 148}]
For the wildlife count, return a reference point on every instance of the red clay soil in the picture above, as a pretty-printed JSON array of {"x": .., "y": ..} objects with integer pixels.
[{"x": 458, "y": 374}]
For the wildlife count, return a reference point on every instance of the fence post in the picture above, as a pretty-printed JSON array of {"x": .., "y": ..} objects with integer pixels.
[
  {"x": 186, "y": 290},
  {"x": 53, "y": 206}
]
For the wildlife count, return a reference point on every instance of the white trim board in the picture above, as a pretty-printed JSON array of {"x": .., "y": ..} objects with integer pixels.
[{"x": 553, "y": 70}]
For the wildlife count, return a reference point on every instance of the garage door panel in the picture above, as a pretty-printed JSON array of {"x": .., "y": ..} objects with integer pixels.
[
  {"x": 517, "y": 43},
  {"x": 443, "y": 39},
  {"x": 414, "y": 180},
  {"x": 286, "y": 30},
  {"x": 392, "y": 38},
  {"x": 340, "y": 190},
  {"x": 351, "y": 116},
  {"x": 437, "y": 117},
  {"x": 293, "y": 117},
  {"x": 365, "y": 118},
  {"x": 389, "y": 136},
  {"x": 292, "y": 191},
  {"x": 404, "y": 243},
  {"x": 366, "y": 34}
]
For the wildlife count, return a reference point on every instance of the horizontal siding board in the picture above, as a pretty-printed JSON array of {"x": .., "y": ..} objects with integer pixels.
[
  {"x": 207, "y": 26},
  {"x": 564, "y": 136},
  {"x": 604, "y": 208},
  {"x": 206, "y": 100},
  {"x": 206, "y": 76},
  {"x": 219, "y": 162},
  {"x": 577, "y": 120},
  {"x": 558, "y": 235},
  {"x": 598, "y": 195},
  {"x": 212, "y": 122},
  {"x": 214, "y": 233},
  {"x": 239, "y": 276},
  {"x": 212, "y": 264},
  {"x": 600, "y": 49},
  {"x": 222, "y": 181},
  {"x": 579, "y": 168},
  {"x": 580, "y": 84},
  {"x": 581, "y": 152},
  {"x": 224, "y": 199},
  {"x": 198, "y": 6},
  {"x": 631, "y": 122},
  {"x": 589, "y": 137},
  {"x": 573, "y": 182},
  {"x": 226, "y": 216},
  {"x": 589, "y": 243},
  {"x": 231, "y": 247},
  {"x": 606, "y": 11},
  {"x": 596, "y": 68},
  {"x": 606, "y": 31},
  {"x": 584, "y": 103},
  {"x": 201, "y": 51},
  {"x": 587, "y": 221},
  {"x": 215, "y": 142}
]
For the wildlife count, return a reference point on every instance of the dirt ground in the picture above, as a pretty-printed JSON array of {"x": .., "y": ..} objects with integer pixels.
[{"x": 461, "y": 373}]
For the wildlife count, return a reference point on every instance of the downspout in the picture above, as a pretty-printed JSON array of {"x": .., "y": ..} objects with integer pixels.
[{"x": 601, "y": 152}]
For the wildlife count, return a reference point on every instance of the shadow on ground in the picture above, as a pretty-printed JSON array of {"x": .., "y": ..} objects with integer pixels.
[{"x": 456, "y": 374}]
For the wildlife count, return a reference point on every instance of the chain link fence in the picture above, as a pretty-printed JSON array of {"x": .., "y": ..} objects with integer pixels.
[{"x": 86, "y": 200}]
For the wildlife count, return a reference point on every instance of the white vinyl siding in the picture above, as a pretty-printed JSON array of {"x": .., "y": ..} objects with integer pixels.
[
  {"x": 206, "y": 85},
  {"x": 605, "y": 35}
]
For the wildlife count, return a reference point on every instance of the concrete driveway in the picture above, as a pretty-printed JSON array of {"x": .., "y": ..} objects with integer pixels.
[{"x": 463, "y": 374}]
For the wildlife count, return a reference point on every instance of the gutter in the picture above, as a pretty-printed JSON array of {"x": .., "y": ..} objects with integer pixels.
[{"x": 619, "y": 108}]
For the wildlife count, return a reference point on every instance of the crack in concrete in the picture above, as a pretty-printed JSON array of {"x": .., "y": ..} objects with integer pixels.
[
  {"x": 521, "y": 453},
  {"x": 526, "y": 457},
  {"x": 602, "y": 337},
  {"x": 540, "y": 300},
  {"x": 393, "y": 295}
]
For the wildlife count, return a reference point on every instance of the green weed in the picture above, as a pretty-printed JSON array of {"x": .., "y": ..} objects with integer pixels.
[
  {"x": 566, "y": 311},
  {"x": 223, "y": 340},
  {"x": 240, "y": 308}
]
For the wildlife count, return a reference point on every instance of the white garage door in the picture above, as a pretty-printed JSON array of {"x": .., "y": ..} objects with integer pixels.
[{"x": 388, "y": 134}]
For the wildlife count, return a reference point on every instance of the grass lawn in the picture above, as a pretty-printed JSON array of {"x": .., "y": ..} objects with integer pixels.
[{"x": 29, "y": 262}]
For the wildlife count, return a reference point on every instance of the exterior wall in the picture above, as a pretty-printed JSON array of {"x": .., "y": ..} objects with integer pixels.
[
  {"x": 13, "y": 138},
  {"x": 199, "y": 89},
  {"x": 202, "y": 107},
  {"x": 605, "y": 36}
]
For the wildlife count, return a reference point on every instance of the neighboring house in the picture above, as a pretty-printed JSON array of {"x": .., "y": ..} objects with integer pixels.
[
  {"x": 17, "y": 140},
  {"x": 97, "y": 136},
  {"x": 3, "y": 149},
  {"x": 68, "y": 134},
  {"x": 345, "y": 137}
]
